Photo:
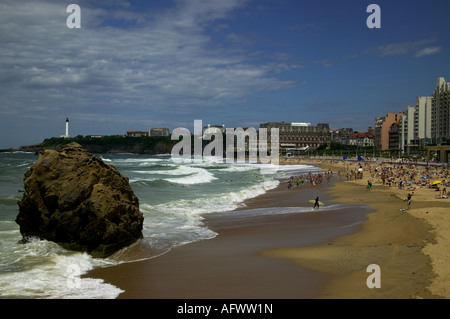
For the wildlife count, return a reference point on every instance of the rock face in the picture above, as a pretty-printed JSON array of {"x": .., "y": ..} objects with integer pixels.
[{"x": 73, "y": 198}]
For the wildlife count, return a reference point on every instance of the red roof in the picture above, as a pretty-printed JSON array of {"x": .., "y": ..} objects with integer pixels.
[{"x": 360, "y": 135}]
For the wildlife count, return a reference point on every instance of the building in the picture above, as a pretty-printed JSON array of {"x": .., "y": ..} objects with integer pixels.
[
  {"x": 382, "y": 129},
  {"x": 341, "y": 135},
  {"x": 426, "y": 123},
  {"x": 300, "y": 135},
  {"x": 415, "y": 125},
  {"x": 406, "y": 129},
  {"x": 220, "y": 127},
  {"x": 361, "y": 139},
  {"x": 136, "y": 133},
  {"x": 440, "y": 112},
  {"x": 377, "y": 132},
  {"x": 422, "y": 131},
  {"x": 394, "y": 136},
  {"x": 441, "y": 152},
  {"x": 159, "y": 132}
]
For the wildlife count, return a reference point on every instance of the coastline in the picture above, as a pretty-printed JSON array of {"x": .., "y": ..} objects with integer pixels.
[
  {"x": 264, "y": 257},
  {"x": 231, "y": 265}
]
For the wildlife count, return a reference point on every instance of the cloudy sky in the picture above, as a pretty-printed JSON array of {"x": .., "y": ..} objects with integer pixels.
[{"x": 134, "y": 65}]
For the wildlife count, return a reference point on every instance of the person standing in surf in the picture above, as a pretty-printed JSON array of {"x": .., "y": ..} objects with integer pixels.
[{"x": 316, "y": 203}]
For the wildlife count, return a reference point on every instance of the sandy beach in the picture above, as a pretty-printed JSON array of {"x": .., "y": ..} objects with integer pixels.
[
  {"x": 312, "y": 254},
  {"x": 409, "y": 245}
]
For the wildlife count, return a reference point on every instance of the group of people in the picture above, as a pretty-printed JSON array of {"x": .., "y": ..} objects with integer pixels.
[
  {"x": 312, "y": 178},
  {"x": 403, "y": 176}
]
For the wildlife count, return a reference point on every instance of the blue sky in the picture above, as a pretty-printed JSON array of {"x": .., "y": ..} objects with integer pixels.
[{"x": 134, "y": 65}]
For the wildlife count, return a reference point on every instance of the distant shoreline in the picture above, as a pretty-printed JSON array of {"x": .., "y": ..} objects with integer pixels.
[
  {"x": 159, "y": 145},
  {"x": 108, "y": 144}
]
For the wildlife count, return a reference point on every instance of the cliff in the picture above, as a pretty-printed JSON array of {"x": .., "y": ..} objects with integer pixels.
[
  {"x": 115, "y": 144},
  {"x": 106, "y": 144}
]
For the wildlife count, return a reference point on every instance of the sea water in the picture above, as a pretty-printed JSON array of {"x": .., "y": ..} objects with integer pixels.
[{"x": 172, "y": 197}]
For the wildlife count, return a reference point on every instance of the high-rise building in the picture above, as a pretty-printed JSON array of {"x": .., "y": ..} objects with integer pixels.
[
  {"x": 440, "y": 112},
  {"x": 415, "y": 125},
  {"x": 377, "y": 132},
  {"x": 394, "y": 136},
  {"x": 406, "y": 129},
  {"x": 422, "y": 132},
  {"x": 427, "y": 122}
]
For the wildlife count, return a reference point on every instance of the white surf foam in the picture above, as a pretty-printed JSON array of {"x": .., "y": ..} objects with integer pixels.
[
  {"x": 47, "y": 271},
  {"x": 190, "y": 175}
]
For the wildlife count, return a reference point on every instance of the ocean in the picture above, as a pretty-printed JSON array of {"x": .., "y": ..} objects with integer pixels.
[{"x": 173, "y": 197}]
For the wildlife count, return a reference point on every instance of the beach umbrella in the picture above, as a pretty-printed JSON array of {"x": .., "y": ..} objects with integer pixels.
[
  {"x": 436, "y": 182},
  {"x": 424, "y": 176}
]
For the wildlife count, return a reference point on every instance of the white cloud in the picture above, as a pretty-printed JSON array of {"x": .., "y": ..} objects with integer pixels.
[
  {"x": 428, "y": 51},
  {"x": 164, "y": 61},
  {"x": 410, "y": 47},
  {"x": 325, "y": 63}
]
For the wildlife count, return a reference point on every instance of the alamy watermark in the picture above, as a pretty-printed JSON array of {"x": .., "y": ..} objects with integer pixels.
[
  {"x": 74, "y": 19},
  {"x": 373, "y": 20},
  {"x": 241, "y": 145},
  {"x": 374, "y": 280}
]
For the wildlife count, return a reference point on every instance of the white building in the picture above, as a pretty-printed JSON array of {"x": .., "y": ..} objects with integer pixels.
[
  {"x": 429, "y": 121},
  {"x": 422, "y": 130},
  {"x": 361, "y": 139}
]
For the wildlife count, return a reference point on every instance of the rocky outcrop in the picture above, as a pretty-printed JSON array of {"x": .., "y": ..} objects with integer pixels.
[{"x": 73, "y": 198}]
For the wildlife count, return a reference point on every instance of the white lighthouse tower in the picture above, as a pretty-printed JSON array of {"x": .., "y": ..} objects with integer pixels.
[{"x": 67, "y": 129}]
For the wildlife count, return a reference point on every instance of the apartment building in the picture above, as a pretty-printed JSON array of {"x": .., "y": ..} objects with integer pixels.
[{"x": 440, "y": 112}]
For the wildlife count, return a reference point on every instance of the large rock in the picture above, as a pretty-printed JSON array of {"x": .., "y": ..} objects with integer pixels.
[{"x": 73, "y": 198}]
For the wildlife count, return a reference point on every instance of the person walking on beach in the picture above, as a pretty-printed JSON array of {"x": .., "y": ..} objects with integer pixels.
[
  {"x": 316, "y": 203},
  {"x": 409, "y": 200}
]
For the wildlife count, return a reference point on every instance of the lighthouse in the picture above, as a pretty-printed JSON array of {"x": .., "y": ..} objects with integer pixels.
[{"x": 67, "y": 129}]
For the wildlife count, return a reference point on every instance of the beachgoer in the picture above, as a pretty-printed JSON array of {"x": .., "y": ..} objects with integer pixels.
[
  {"x": 316, "y": 203},
  {"x": 409, "y": 200}
]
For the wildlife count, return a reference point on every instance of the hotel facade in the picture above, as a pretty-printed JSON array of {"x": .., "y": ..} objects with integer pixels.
[{"x": 300, "y": 135}]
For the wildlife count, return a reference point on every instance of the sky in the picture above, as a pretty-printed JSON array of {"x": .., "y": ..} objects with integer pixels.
[{"x": 134, "y": 65}]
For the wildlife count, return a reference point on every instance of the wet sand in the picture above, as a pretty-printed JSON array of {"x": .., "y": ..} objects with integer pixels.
[{"x": 232, "y": 265}]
